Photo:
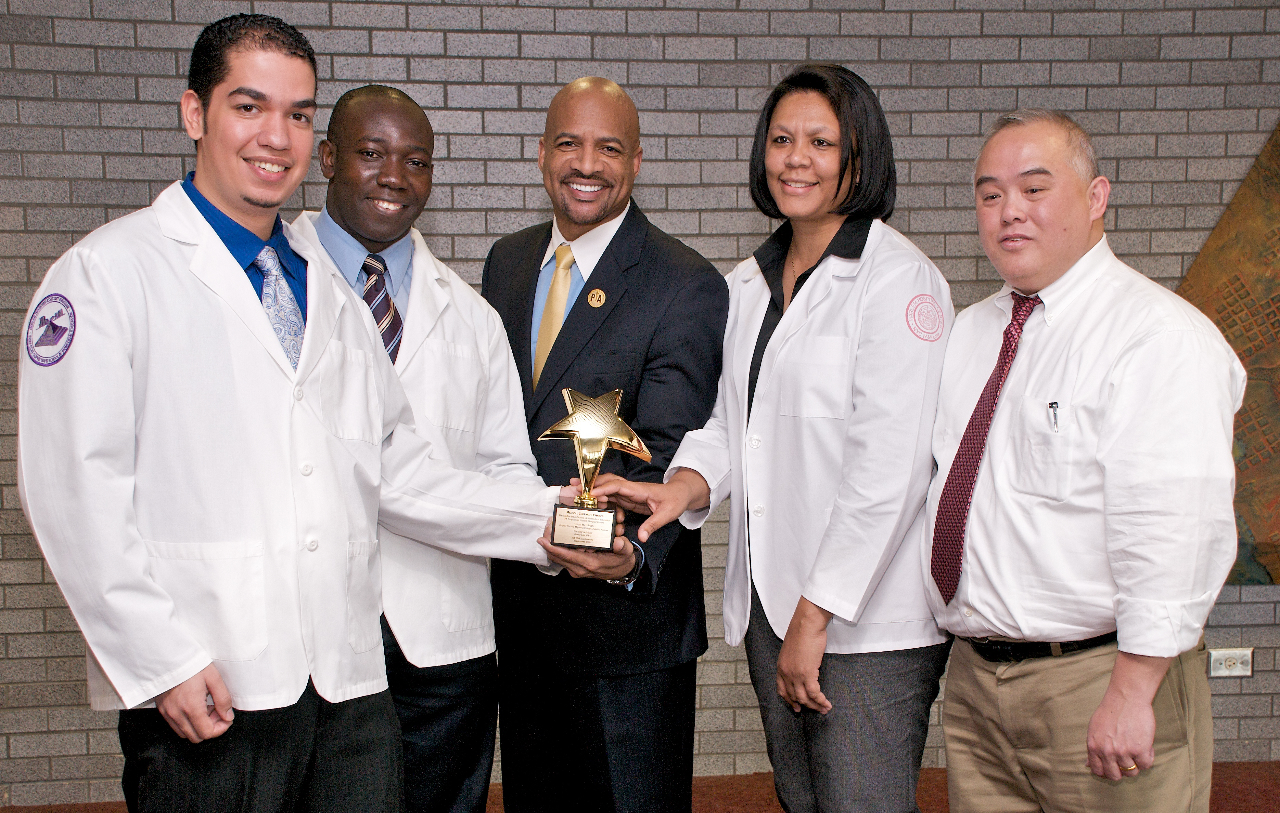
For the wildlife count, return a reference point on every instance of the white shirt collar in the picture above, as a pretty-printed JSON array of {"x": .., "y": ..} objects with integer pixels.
[
  {"x": 590, "y": 247},
  {"x": 1058, "y": 294}
]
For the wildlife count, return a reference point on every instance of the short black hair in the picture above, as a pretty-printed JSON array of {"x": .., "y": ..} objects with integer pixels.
[
  {"x": 865, "y": 142},
  {"x": 209, "y": 56}
]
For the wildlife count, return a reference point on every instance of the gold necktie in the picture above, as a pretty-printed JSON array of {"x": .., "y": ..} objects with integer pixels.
[{"x": 553, "y": 311}]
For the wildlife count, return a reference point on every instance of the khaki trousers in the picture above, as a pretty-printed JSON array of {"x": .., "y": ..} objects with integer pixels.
[{"x": 1015, "y": 736}]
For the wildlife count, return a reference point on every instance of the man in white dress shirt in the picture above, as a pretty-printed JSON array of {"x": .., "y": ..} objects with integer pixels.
[
  {"x": 451, "y": 353},
  {"x": 1082, "y": 510}
]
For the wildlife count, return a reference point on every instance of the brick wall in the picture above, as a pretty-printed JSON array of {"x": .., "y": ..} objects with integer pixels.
[{"x": 1181, "y": 95}]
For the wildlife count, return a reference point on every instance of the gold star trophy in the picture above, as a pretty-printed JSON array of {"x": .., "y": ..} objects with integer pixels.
[{"x": 594, "y": 426}]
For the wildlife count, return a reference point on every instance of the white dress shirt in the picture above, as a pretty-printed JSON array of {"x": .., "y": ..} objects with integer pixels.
[{"x": 1104, "y": 498}]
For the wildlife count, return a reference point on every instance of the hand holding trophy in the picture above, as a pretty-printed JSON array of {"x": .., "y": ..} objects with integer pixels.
[{"x": 594, "y": 426}]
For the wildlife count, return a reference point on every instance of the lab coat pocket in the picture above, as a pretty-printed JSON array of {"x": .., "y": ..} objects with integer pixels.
[
  {"x": 218, "y": 591},
  {"x": 1041, "y": 448},
  {"x": 455, "y": 387},
  {"x": 350, "y": 401},
  {"x": 813, "y": 377},
  {"x": 465, "y": 600},
  {"x": 364, "y": 595}
]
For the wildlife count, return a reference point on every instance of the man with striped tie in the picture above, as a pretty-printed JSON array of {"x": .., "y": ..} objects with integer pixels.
[{"x": 452, "y": 356}]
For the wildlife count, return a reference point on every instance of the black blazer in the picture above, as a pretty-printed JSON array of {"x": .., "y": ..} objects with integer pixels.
[{"x": 657, "y": 337}]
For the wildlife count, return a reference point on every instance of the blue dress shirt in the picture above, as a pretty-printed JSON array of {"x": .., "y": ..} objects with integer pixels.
[
  {"x": 245, "y": 246},
  {"x": 576, "y": 284},
  {"x": 349, "y": 256}
]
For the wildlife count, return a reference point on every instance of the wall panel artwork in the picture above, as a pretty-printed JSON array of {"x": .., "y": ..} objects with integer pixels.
[{"x": 1236, "y": 281}]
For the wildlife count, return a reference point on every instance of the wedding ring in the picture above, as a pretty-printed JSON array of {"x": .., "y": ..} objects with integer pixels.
[{"x": 1133, "y": 767}]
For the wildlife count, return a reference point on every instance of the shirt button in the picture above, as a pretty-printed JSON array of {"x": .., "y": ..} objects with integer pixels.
[
  {"x": 755, "y": 442},
  {"x": 306, "y": 469},
  {"x": 968, "y": 613},
  {"x": 312, "y": 544},
  {"x": 758, "y": 510},
  {"x": 297, "y": 393}
]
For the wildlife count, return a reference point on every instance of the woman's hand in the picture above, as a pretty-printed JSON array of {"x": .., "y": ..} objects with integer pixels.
[
  {"x": 801, "y": 656},
  {"x": 664, "y": 502}
]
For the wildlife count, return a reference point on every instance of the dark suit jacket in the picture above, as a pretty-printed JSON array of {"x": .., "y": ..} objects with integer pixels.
[{"x": 657, "y": 337}]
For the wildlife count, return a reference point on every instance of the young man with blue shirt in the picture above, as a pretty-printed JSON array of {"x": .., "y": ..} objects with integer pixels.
[
  {"x": 451, "y": 354},
  {"x": 210, "y": 433}
]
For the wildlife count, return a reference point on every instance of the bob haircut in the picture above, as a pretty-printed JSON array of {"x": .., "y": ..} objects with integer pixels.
[
  {"x": 209, "y": 65},
  {"x": 866, "y": 148}
]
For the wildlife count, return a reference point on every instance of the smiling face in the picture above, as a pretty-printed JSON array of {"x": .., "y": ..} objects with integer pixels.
[
  {"x": 254, "y": 139},
  {"x": 1036, "y": 214},
  {"x": 589, "y": 154},
  {"x": 802, "y": 159},
  {"x": 378, "y": 162}
]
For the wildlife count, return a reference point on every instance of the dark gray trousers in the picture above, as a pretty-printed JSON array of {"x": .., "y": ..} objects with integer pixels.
[
  {"x": 311, "y": 757},
  {"x": 864, "y": 755}
]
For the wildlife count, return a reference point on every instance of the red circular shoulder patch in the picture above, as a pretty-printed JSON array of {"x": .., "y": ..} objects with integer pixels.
[{"x": 924, "y": 318}]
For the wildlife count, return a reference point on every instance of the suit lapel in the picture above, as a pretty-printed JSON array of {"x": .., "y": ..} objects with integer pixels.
[{"x": 583, "y": 320}]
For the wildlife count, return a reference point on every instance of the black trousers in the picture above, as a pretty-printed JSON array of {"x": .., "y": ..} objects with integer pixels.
[
  {"x": 448, "y": 717},
  {"x": 311, "y": 757},
  {"x": 593, "y": 744}
]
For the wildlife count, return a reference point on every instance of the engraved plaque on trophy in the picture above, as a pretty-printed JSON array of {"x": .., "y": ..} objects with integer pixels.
[{"x": 594, "y": 427}]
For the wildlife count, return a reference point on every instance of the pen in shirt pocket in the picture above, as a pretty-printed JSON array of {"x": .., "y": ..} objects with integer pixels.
[{"x": 1053, "y": 415}]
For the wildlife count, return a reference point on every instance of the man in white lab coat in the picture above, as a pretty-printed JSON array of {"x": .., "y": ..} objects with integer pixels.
[
  {"x": 209, "y": 433},
  {"x": 455, "y": 363}
]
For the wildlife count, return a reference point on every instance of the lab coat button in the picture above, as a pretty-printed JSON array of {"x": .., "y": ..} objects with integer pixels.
[
  {"x": 755, "y": 441},
  {"x": 312, "y": 544},
  {"x": 306, "y": 469},
  {"x": 758, "y": 510},
  {"x": 297, "y": 393},
  {"x": 968, "y": 613}
]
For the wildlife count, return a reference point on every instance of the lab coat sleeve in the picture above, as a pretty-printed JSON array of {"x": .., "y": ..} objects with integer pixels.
[
  {"x": 886, "y": 446},
  {"x": 706, "y": 451},
  {"x": 424, "y": 498},
  {"x": 1169, "y": 483},
  {"x": 76, "y": 481},
  {"x": 677, "y": 394}
]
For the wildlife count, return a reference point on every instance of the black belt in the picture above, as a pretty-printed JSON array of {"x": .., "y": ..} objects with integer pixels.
[{"x": 997, "y": 651}]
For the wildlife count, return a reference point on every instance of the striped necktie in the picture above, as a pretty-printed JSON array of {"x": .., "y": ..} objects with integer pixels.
[
  {"x": 278, "y": 301},
  {"x": 957, "y": 492},
  {"x": 378, "y": 298}
]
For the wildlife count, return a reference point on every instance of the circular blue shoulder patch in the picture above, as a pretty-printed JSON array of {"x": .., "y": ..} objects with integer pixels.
[{"x": 51, "y": 329}]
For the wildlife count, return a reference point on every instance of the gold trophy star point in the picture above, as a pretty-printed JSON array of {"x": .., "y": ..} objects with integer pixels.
[{"x": 593, "y": 423}]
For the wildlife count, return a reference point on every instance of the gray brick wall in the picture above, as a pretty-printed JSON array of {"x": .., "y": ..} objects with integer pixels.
[{"x": 1181, "y": 94}]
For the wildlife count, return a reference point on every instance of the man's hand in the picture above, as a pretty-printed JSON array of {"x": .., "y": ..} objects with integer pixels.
[
  {"x": 185, "y": 710},
  {"x": 1122, "y": 731},
  {"x": 664, "y": 502},
  {"x": 800, "y": 657},
  {"x": 592, "y": 564}
]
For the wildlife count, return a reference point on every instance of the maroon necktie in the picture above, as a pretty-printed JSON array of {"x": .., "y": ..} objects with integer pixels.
[
  {"x": 957, "y": 494},
  {"x": 378, "y": 298}
]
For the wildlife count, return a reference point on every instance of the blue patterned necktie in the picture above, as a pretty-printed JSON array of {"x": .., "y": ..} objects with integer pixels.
[{"x": 282, "y": 309}]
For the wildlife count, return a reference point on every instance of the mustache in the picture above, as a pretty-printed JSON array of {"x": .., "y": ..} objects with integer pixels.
[{"x": 578, "y": 176}]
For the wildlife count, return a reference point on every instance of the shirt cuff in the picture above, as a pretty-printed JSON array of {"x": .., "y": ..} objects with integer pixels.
[{"x": 1161, "y": 629}]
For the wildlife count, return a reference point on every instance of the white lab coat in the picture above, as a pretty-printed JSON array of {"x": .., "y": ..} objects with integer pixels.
[
  {"x": 456, "y": 367},
  {"x": 198, "y": 500},
  {"x": 828, "y": 478}
]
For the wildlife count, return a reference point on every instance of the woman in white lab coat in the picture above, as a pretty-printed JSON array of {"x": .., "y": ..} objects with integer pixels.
[{"x": 820, "y": 435}]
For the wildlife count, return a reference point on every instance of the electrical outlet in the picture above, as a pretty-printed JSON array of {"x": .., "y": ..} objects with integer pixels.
[{"x": 1230, "y": 662}]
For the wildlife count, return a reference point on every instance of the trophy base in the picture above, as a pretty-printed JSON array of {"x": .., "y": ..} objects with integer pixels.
[{"x": 584, "y": 528}]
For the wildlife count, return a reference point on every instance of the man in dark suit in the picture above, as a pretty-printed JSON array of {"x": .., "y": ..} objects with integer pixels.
[{"x": 597, "y": 664}]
